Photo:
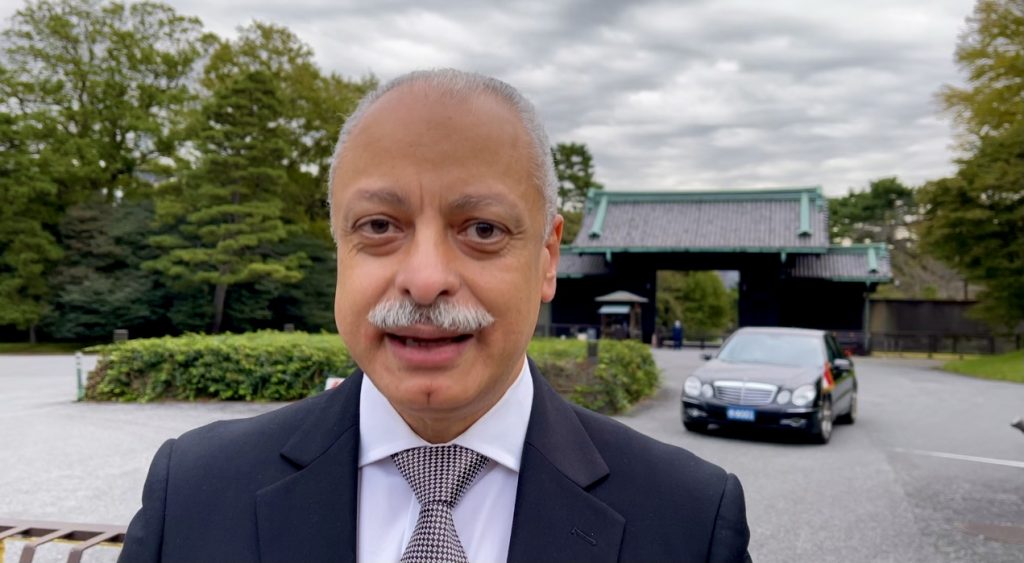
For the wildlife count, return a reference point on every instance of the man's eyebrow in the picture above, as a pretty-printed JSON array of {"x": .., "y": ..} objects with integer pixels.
[
  {"x": 384, "y": 196},
  {"x": 474, "y": 201}
]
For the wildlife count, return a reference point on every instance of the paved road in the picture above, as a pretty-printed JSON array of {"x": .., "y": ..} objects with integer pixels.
[
  {"x": 82, "y": 462},
  {"x": 863, "y": 497}
]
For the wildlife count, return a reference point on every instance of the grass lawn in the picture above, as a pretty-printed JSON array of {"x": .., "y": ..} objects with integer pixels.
[
  {"x": 41, "y": 348},
  {"x": 1007, "y": 367}
]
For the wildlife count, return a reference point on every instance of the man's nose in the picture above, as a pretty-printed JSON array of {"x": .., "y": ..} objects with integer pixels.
[{"x": 428, "y": 270}]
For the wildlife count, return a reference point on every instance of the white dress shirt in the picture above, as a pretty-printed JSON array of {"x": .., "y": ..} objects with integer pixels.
[{"x": 483, "y": 518}]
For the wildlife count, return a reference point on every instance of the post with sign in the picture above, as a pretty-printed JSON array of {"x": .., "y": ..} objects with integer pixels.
[{"x": 78, "y": 371}]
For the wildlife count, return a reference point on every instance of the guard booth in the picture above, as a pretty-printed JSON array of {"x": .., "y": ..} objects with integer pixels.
[
  {"x": 778, "y": 241},
  {"x": 621, "y": 315}
]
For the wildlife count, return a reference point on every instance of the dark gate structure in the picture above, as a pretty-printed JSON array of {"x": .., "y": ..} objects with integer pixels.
[{"x": 778, "y": 241}]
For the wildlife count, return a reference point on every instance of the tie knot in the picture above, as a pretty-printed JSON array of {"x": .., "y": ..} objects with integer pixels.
[{"x": 439, "y": 474}]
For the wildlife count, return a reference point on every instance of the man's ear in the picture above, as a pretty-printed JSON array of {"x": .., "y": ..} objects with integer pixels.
[{"x": 552, "y": 254}]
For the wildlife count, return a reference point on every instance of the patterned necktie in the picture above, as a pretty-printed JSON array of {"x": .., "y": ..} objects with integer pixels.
[{"x": 438, "y": 475}]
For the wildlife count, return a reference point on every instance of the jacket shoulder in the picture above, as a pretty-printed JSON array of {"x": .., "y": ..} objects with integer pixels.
[
  {"x": 255, "y": 430},
  {"x": 675, "y": 504},
  {"x": 631, "y": 452}
]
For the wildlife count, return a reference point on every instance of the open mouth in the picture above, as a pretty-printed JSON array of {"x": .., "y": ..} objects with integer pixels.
[{"x": 411, "y": 342}]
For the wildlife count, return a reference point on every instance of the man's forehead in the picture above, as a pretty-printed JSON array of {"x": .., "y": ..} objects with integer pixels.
[{"x": 442, "y": 108}]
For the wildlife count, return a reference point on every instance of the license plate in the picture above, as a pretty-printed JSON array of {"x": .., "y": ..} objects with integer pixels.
[{"x": 740, "y": 414}]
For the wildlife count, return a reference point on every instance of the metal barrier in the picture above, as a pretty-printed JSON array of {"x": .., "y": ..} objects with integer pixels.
[{"x": 39, "y": 533}]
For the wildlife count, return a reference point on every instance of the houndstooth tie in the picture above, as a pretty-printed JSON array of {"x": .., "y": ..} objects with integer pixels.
[{"x": 438, "y": 475}]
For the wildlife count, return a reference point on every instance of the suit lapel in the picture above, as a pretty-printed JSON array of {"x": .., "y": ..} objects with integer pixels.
[
  {"x": 311, "y": 514},
  {"x": 556, "y": 518}
]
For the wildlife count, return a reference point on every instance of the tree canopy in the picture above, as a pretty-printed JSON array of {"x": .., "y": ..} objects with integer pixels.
[
  {"x": 130, "y": 136},
  {"x": 889, "y": 212},
  {"x": 227, "y": 211},
  {"x": 574, "y": 166},
  {"x": 974, "y": 220},
  {"x": 698, "y": 299},
  {"x": 991, "y": 55}
]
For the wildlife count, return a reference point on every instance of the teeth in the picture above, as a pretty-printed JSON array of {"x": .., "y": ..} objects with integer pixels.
[{"x": 412, "y": 343}]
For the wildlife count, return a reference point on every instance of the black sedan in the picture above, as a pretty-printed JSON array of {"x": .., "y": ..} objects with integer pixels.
[{"x": 786, "y": 378}]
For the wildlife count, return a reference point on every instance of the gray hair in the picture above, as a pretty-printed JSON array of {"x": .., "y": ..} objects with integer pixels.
[
  {"x": 456, "y": 83},
  {"x": 443, "y": 313}
]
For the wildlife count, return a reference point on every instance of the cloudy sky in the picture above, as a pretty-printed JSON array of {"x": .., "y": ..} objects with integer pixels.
[{"x": 685, "y": 94}]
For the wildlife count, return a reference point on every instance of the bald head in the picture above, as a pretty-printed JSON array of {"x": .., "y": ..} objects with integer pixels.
[{"x": 456, "y": 84}]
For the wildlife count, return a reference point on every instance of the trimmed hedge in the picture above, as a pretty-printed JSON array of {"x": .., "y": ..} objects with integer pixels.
[
  {"x": 263, "y": 366},
  {"x": 625, "y": 372},
  {"x": 275, "y": 366}
]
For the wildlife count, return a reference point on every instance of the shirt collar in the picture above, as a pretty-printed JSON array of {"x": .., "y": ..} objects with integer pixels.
[{"x": 499, "y": 434}]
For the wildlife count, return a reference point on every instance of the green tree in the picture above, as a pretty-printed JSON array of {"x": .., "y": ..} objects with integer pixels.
[
  {"x": 101, "y": 86},
  {"x": 888, "y": 212},
  {"x": 313, "y": 109},
  {"x": 699, "y": 299},
  {"x": 100, "y": 286},
  {"x": 27, "y": 249},
  {"x": 227, "y": 212},
  {"x": 669, "y": 299},
  {"x": 882, "y": 213},
  {"x": 574, "y": 166},
  {"x": 974, "y": 221},
  {"x": 991, "y": 53}
]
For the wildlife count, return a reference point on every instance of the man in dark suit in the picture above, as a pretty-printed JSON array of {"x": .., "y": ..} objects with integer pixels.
[{"x": 450, "y": 446}]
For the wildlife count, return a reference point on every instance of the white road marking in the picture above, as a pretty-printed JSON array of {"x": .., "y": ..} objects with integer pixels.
[{"x": 989, "y": 460}]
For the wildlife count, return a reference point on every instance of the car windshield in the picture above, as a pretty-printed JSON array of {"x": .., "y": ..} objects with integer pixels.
[{"x": 780, "y": 349}]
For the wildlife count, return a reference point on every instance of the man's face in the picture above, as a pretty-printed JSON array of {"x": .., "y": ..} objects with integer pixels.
[{"x": 436, "y": 199}]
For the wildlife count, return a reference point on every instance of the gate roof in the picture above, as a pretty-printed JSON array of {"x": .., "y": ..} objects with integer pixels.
[{"x": 791, "y": 219}]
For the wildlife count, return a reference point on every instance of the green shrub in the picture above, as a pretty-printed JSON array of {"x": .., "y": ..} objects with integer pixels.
[
  {"x": 275, "y": 366},
  {"x": 262, "y": 366},
  {"x": 625, "y": 372}
]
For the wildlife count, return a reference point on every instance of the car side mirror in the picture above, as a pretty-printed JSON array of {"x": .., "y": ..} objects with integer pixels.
[
  {"x": 842, "y": 364},
  {"x": 706, "y": 356}
]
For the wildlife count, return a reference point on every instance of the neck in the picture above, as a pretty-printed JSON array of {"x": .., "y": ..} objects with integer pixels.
[{"x": 438, "y": 431}]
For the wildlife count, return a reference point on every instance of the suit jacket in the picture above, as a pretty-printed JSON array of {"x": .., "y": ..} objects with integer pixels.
[{"x": 282, "y": 486}]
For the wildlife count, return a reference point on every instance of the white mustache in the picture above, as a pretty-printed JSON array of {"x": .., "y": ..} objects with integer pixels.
[{"x": 443, "y": 313}]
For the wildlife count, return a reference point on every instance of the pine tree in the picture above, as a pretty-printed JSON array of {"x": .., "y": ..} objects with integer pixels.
[{"x": 227, "y": 210}]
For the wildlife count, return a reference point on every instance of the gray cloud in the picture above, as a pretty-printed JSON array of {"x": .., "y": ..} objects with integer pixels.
[{"x": 674, "y": 94}]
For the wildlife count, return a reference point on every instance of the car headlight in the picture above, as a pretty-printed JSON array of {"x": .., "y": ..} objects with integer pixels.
[
  {"x": 692, "y": 386},
  {"x": 707, "y": 391},
  {"x": 783, "y": 397},
  {"x": 804, "y": 396}
]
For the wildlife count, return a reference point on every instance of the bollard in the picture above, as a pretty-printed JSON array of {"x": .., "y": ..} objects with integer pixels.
[
  {"x": 78, "y": 373},
  {"x": 592, "y": 345}
]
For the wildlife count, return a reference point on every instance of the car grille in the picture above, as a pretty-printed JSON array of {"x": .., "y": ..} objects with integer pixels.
[{"x": 745, "y": 393}]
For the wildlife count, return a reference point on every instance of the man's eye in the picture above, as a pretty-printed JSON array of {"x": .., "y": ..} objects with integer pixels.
[
  {"x": 378, "y": 226},
  {"x": 483, "y": 231}
]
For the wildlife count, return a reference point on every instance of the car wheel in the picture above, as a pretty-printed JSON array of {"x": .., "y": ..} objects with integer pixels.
[
  {"x": 851, "y": 416},
  {"x": 822, "y": 431},
  {"x": 695, "y": 426}
]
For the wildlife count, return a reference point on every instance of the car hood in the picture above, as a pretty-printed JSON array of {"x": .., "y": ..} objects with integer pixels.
[{"x": 788, "y": 376}]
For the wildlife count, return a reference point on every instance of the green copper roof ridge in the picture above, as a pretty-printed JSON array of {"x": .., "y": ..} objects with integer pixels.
[
  {"x": 580, "y": 250},
  {"x": 872, "y": 260},
  {"x": 805, "y": 215},
  {"x": 794, "y": 191},
  {"x": 598, "y": 226}
]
